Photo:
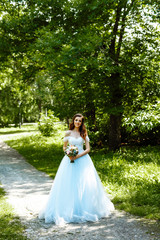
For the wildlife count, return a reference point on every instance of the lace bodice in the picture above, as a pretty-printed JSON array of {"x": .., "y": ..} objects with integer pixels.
[{"x": 79, "y": 142}]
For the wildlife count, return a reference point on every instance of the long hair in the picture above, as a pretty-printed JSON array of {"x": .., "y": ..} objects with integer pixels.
[{"x": 82, "y": 129}]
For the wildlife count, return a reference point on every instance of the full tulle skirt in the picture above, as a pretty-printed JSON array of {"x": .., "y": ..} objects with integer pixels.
[{"x": 77, "y": 194}]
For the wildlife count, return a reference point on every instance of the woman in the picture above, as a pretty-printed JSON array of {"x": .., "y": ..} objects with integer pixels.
[{"x": 77, "y": 194}]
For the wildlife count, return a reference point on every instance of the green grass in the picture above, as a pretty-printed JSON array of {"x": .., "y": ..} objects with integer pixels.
[
  {"x": 25, "y": 128},
  {"x": 10, "y": 226},
  {"x": 131, "y": 175},
  {"x": 44, "y": 153}
]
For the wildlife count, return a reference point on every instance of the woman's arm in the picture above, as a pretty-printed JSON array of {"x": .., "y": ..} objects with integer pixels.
[
  {"x": 65, "y": 145},
  {"x": 66, "y": 140}
]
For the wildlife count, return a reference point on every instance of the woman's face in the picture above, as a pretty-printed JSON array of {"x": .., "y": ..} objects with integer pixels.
[{"x": 77, "y": 122}]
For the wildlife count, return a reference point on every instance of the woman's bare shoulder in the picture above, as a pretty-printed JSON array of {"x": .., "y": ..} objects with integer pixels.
[
  {"x": 87, "y": 138},
  {"x": 68, "y": 133}
]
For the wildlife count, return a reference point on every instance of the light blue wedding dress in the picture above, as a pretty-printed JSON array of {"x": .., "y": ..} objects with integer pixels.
[{"x": 77, "y": 194}]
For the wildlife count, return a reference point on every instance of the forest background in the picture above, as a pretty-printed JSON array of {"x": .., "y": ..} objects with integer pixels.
[{"x": 100, "y": 58}]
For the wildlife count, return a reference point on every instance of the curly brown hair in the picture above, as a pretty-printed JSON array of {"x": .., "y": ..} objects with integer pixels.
[{"x": 82, "y": 129}]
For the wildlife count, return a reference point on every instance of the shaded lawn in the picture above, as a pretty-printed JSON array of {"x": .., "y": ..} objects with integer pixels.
[{"x": 131, "y": 175}]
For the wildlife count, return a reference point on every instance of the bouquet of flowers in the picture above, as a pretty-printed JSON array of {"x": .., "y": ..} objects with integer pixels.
[{"x": 71, "y": 151}]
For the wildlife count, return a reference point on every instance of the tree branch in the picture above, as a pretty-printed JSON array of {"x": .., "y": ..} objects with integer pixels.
[
  {"x": 125, "y": 12},
  {"x": 115, "y": 30}
]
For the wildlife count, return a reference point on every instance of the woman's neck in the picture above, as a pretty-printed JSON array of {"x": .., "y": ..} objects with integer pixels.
[{"x": 76, "y": 129}]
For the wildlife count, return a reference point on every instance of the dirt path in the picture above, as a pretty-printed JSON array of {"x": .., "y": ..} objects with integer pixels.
[{"x": 28, "y": 188}]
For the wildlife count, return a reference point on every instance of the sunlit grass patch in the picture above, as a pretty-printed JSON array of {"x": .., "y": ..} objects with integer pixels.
[
  {"x": 24, "y": 128},
  {"x": 132, "y": 176},
  {"x": 10, "y": 226}
]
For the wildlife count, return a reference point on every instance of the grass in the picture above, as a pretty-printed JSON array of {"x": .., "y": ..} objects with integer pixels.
[
  {"x": 24, "y": 128},
  {"x": 131, "y": 175},
  {"x": 10, "y": 226}
]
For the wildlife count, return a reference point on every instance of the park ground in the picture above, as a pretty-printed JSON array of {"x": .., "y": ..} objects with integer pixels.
[{"x": 138, "y": 167}]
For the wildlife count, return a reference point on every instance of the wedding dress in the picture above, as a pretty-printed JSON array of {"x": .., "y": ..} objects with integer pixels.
[{"x": 77, "y": 194}]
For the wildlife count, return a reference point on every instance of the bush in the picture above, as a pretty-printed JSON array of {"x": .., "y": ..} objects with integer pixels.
[
  {"x": 46, "y": 124},
  {"x": 99, "y": 133},
  {"x": 143, "y": 126}
]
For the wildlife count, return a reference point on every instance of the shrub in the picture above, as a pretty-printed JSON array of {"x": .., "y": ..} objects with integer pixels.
[
  {"x": 143, "y": 125},
  {"x": 46, "y": 124}
]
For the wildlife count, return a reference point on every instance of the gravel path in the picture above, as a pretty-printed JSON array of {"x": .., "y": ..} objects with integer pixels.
[{"x": 28, "y": 188}]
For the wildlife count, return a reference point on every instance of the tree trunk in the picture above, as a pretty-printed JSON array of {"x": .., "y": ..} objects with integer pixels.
[
  {"x": 91, "y": 116},
  {"x": 116, "y": 111},
  {"x": 20, "y": 114},
  {"x": 40, "y": 108},
  {"x": 115, "y": 82},
  {"x": 114, "y": 132}
]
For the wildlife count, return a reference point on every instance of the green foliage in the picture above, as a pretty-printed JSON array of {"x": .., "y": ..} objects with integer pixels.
[
  {"x": 143, "y": 125},
  {"x": 97, "y": 57},
  {"x": 131, "y": 175},
  {"x": 47, "y": 123},
  {"x": 145, "y": 119},
  {"x": 99, "y": 131},
  {"x": 17, "y": 102},
  {"x": 10, "y": 226}
]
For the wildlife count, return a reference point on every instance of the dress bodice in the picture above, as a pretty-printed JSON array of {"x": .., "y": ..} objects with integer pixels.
[{"x": 79, "y": 142}]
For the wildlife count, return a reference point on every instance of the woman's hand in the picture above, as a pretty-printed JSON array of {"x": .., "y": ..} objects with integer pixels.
[{"x": 73, "y": 158}]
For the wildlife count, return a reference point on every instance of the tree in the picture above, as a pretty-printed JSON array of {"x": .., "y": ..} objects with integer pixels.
[
  {"x": 99, "y": 57},
  {"x": 93, "y": 50}
]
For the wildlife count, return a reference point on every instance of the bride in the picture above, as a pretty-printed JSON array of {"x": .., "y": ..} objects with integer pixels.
[{"x": 77, "y": 194}]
